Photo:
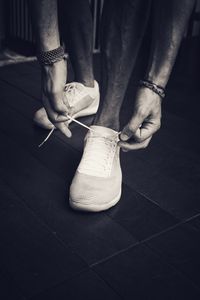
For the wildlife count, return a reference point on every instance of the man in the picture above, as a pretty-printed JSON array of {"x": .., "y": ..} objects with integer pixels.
[{"x": 97, "y": 183}]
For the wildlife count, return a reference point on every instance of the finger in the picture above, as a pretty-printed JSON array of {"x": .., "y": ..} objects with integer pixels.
[
  {"x": 53, "y": 116},
  {"x": 57, "y": 103},
  {"x": 134, "y": 145},
  {"x": 64, "y": 129},
  {"x": 131, "y": 127},
  {"x": 147, "y": 129}
]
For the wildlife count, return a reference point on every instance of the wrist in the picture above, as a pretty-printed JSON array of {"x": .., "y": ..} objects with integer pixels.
[
  {"x": 47, "y": 46},
  {"x": 155, "y": 88},
  {"x": 44, "y": 43},
  {"x": 47, "y": 58},
  {"x": 160, "y": 78},
  {"x": 159, "y": 81}
]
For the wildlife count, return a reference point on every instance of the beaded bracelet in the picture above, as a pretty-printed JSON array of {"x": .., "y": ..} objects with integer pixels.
[
  {"x": 159, "y": 90},
  {"x": 50, "y": 57}
]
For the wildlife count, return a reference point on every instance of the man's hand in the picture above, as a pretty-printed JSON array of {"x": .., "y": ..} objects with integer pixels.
[
  {"x": 53, "y": 82},
  {"x": 144, "y": 122}
]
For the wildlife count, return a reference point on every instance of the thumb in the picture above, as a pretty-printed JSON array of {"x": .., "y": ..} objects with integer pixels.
[{"x": 130, "y": 129}]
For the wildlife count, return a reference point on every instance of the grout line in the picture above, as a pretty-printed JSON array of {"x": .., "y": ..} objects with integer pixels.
[
  {"x": 152, "y": 201},
  {"x": 41, "y": 218},
  {"x": 74, "y": 148},
  {"x": 149, "y": 199},
  {"x": 42, "y": 222},
  {"x": 192, "y": 217},
  {"x": 136, "y": 244},
  {"x": 169, "y": 228},
  {"x": 153, "y": 236},
  {"x": 59, "y": 283},
  {"x": 162, "y": 259},
  {"x": 144, "y": 240},
  {"x": 108, "y": 284},
  {"x": 114, "y": 254}
]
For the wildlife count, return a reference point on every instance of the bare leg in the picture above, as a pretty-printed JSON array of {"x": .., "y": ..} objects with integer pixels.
[
  {"x": 45, "y": 21},
  {"x": 170, "y": 20},
  {"x": 78, "y": 34},
  {"x": 123, "y": 27}
]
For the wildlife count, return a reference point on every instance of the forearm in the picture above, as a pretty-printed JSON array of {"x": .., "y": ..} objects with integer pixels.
[
  {"x": 170, "y": 20},
  {"x": 45, "y": 22}
]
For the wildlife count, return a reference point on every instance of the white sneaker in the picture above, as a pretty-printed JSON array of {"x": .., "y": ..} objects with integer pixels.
[
  {"x": 96, "y": 185},
  {"x": 80, "y": 101}
]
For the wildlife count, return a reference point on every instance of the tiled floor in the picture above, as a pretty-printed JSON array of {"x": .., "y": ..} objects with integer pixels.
[{"x": 147, "y": 247}]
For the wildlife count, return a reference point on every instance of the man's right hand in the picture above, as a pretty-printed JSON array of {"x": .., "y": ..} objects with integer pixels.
[{"x": 53, "y": 83}]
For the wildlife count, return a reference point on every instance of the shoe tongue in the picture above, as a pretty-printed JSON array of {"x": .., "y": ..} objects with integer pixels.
[{"x": 103, "y": 131}]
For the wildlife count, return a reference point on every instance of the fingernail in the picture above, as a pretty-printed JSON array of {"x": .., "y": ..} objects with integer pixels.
[
  {"x": 69, "y": 134},
  {"x": 124, "y": 137}
]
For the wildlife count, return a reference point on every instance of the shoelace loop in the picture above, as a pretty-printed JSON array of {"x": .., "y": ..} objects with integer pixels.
[
  {"x": 74, "y": 120},
  {"x": 72, "y": 90},
  {"x": 98, "y": 155}
]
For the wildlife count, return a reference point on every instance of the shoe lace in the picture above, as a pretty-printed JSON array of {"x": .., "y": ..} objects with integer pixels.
[
  {"x": 98, "y": 155},
  {"x": 72, "y": 90}
]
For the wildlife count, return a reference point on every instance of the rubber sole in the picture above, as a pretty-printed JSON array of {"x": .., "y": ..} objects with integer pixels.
[{"x": 94, "y": 207}]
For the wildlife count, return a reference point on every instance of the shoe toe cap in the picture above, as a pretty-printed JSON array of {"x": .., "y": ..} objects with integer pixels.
[{"x": 91, "y": 193}]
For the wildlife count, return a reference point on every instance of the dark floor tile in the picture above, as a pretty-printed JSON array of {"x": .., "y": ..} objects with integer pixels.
[
  {"x": 170, "y": 195},
  {"x": 31, "y": 86},
  {"x": 18, "y": 100},
  {"x": 34, "y": 64},
  {"x": 184, "y": 170},
  {"x": 195, "y": 223},
  {"x": 180, "y": 247},
  {"x": 180, "y": 164},
  {"x": 87, "y": 285},
  {"x": 178, "y": 159},
  {"x": 8, "y": 288},
  {"x": 33, "y": 255},
  {"x": 177, "y": 100},
  {"x": 92, "y": 236},
  {"x": 179, "y": 134},
  {"x": 57, "y": 155},
  {"x": 138, "y": 273},
  {"x": 139, "y": 215},
  {"x": 29, "y": 70}
]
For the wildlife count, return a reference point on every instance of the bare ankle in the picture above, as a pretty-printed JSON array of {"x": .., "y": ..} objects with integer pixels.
[
  {"x": 112, "y": 124},
  {"x": 88, "y": 82}
]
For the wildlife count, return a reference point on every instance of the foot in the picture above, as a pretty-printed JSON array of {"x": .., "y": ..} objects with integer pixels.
[
  {"x": 80, "y": 100},
  {"x": 96, "y": 185}
]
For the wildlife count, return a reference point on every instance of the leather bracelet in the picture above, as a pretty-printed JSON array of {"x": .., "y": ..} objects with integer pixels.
[
  {"x": 159, "y": 90},
  {"x": 51, "y": 57}
]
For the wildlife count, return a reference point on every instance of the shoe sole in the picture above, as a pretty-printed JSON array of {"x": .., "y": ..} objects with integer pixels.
[
  {"x": 88, "y": 111},
  {"x": 94, "y": 207}
]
